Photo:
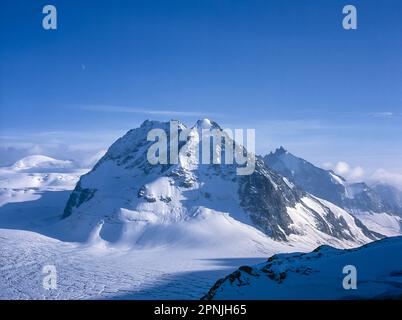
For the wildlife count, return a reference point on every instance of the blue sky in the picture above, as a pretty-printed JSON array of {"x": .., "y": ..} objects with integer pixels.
[{"x": 286, "y": 68}]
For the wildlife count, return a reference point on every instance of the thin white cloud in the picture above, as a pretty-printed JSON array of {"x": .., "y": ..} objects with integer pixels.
[
  {"x": 83, "y": 147},
  {"x": 357, "y": 174},
  {"x": 350, "y": 173},
  {"x": 382, "y": 114},
  {"x": 125, "y": 109},
  {"x": 384, "y": 176},
  {"x": 328, "y": 165}
]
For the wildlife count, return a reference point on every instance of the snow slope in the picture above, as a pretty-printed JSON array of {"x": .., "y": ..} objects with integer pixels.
[
  {"x": 384, "y": 223},
  {"x": 94, "y": 271},
  {"x": 319, "y": 275}
]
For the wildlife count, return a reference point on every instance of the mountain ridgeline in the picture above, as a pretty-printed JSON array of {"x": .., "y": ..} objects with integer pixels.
[
  {"x": 327, "y": 185},
  {"x": 125, "y": 197}
]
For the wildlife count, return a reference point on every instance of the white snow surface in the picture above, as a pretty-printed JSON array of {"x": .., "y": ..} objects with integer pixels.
[
  {"x": 97, "y": 271},
  {"x": 310, "y": 236},
  {"x": 384, "y": 223},
  {"x": 29, "y": 177}
]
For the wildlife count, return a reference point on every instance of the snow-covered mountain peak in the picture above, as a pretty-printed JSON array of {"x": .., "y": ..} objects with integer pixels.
[
  {"x": 155, "y": 124},
  {"x": 147, "y": 204},
  {"x": 131, "y": 150},
  {"x": 206, "y": 124},
  {"x": 40, "y": 163}
]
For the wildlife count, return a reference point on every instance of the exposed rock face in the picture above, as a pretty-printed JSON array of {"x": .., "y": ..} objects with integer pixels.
[{"x": 266, "y": 197}]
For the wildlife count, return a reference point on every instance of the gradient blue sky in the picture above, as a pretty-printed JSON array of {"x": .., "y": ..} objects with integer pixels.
[{"x": 286, "y": 68}]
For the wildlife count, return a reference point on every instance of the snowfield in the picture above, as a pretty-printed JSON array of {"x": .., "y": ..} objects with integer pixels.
[
  {"x": 26, "y": 179},
  {"x": 97, "y": 272}
]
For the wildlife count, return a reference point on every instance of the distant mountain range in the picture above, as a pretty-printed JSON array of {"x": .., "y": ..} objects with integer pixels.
[
  {"x": 39, "y": 163},
  {"x": 31, "y": 175},
  {"x": 327, "y": 185},
  {"x": 379, "y": 206}
]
